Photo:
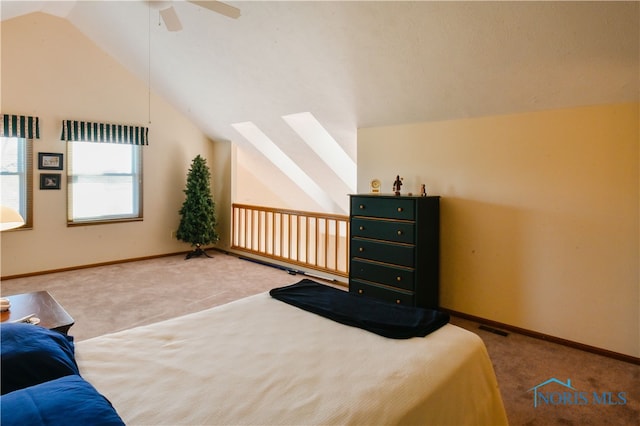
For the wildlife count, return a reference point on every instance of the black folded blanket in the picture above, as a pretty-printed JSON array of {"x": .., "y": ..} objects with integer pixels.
[{"x": 383, "y": 318}]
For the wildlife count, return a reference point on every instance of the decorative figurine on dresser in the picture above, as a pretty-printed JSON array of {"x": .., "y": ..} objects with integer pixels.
[
  {"x": 395, "y": 248},
  {"x": 397, "y": 185}
]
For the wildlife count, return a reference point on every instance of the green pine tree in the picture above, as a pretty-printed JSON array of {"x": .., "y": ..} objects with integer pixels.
[{"x": 198, "y": 222}]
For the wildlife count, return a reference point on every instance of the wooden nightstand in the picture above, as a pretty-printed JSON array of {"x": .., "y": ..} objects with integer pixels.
[{"x": 52, "y": 315}]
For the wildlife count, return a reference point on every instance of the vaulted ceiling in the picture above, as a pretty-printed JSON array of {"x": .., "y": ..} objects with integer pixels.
[{"x": 361, "y": 64}]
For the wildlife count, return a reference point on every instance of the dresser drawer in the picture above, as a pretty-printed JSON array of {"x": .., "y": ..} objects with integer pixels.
[
  {"x": 402, "y": 232},
  {"x": 390, "y": 208},
  {"x": 397, "y": 254},
  {"x": 384, "y": 274},
  {"x": 381, "y": 293}
]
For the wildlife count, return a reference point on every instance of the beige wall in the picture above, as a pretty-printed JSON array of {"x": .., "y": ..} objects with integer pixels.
[
  {"x": 277, "y": 190},
  {"x": 49, "y": 69},
  {"x": 539, "y": 215}
]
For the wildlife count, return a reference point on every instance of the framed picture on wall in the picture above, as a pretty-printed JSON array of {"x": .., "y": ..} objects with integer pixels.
[
  {"x": 49, "y": 161},
  {"x": 50, "y": 180}
]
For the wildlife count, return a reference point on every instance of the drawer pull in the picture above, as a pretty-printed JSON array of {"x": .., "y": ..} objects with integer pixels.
[
  {"x": 399, "y": 232},
  {"x": 360, "y": 291},
  {"x": 398, "y": 301},
  {"x": 398, "y": 279},
  {"x": 362, "y": 228},
  {"x": 360, "y": 249},
  {"x": 400, "y": 209},
  {"x": 361, "y": 206}
]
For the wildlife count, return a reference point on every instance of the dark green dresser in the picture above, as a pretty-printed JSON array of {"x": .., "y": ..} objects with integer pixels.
[{"x": 395, "y": 248}]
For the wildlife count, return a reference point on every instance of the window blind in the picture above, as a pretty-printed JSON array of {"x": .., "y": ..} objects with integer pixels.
[{"x": 87, "y": 131}]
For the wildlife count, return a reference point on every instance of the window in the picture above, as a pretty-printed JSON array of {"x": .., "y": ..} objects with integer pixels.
[
  {"x": 104, "y": 175},
  {"x": 104, "y": 182},
  {"x": 16, "y": 175}
]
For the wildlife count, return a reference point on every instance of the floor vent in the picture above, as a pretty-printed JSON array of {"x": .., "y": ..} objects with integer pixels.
[{"x": 493, "y": 330}]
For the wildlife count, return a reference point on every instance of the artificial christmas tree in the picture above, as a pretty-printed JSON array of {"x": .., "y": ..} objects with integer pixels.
[{"x": 198, "y": 222}]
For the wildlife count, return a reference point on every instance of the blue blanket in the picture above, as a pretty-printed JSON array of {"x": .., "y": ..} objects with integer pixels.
[
  {"x": 32, "y": 355},
  {"x": 41, "y": 384},
  {"x": 69, "y": 400},
  {"x": 383, "y": 318}
]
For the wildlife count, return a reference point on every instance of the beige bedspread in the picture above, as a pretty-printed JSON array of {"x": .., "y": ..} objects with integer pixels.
[{"x": 259, "y": 361}]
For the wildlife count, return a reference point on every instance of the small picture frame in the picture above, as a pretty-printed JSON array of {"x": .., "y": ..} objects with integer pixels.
[
  {"x": 49, "y": 161},
  {"x": 50, "y": 180}
]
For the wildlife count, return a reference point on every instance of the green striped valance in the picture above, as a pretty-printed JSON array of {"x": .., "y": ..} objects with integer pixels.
[
  {"x": 103, "y": 132},
  {"x": 19, "y": 126}
]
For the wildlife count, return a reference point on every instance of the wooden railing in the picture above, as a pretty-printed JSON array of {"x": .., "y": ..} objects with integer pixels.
[{"x": 317, "y": 241}]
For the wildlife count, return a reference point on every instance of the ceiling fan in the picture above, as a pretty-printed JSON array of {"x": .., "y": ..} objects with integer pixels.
[{"x": 170, "y": 17}]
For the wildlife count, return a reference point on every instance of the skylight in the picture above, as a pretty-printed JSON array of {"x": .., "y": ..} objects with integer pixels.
[
  {"x": 269, "y": 149},
  {"x": 323, "y": 144}
]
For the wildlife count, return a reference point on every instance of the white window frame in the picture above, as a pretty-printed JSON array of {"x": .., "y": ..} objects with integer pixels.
[
  {"x": 24, "y": 166},
  {"x": 136, "y": 174}
]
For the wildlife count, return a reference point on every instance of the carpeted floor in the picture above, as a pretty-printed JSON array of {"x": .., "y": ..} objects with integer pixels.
[{"x": 111, "y": 298}]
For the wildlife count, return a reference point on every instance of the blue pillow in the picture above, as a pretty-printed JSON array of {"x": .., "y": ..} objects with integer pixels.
[
  {"x": 64, "y": 401},
  {"x": 31, "y": 354}
]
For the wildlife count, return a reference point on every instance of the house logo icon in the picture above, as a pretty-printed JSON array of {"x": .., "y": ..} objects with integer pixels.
[
  {"x": 563, "y": 393},
  {"x": 536, "y": 388}
]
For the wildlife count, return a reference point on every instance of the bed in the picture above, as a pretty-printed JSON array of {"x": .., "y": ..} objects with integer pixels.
[{"x": 259, "y": 361}]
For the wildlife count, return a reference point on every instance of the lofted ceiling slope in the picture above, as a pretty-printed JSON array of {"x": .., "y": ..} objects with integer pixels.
[{"x": 362, "y": 64}]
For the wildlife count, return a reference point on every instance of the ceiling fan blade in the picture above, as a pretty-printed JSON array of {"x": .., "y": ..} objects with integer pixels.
[
  {"x": 219, "y": 7},
  {"x": 170, "y": 18}
]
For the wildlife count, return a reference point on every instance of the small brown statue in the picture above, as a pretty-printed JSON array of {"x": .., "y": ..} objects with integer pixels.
[
  {"x": 423, "y": 190},
  {"x": 397, "y": 185}
]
